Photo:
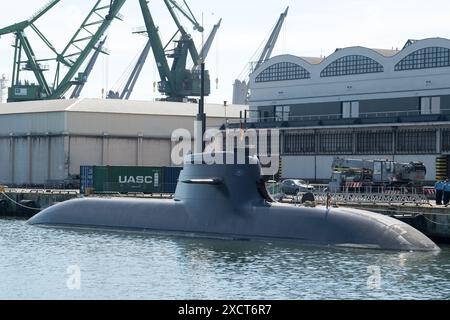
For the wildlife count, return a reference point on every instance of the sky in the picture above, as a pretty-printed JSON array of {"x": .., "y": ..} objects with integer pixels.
[{"x": 312, "y": 28}]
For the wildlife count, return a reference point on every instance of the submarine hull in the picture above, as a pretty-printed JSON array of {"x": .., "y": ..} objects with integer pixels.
[
  {"x": 231, "y": 201},
  {"x": 318, "y": 226}
]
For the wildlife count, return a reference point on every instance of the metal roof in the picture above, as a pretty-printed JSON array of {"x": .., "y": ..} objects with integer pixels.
[
  {"x": 119, "y": 107},
  {"x": 386, "y": 52},
  {"x": 313, "y": 60},
  {"x": 383, "y": 52}
]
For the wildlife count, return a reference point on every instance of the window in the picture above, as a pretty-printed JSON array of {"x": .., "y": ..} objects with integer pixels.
[
  {"x": 335, "y": 143},
  {"x": 266, "y": 116},
  {"x": 349, "y": 65},
  {"x": 416, "y": 141},
  {"x": 374, "y": 142},
  {"x": 299, "y": 143},
  {"x": 430, "y": 105},
  {"x": 350, "y": 109},
  {"x": 282, "y": 113},
  {"x": 283, "y": 71},
  {"x": 431, "y": 57}
]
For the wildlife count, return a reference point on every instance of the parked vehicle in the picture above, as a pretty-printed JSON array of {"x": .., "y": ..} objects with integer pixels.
[
  {"x": 358, "y": 174},
  {"x": 292, "y": 187}
]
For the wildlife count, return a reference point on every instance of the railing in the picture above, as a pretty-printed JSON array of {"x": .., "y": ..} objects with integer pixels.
[
  {"x": 41, "y": 191},
  {"x": 286, "y": 117},
  {"x": 365, "y": 195},
  {"x": 371, "y": 198}
]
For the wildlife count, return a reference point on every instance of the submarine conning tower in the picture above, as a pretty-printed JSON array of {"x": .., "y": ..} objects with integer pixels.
[{"x": 226, "y": 181}]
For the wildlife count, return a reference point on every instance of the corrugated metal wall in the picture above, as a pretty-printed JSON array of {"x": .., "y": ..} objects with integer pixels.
[{"x": 32, "y": 160}]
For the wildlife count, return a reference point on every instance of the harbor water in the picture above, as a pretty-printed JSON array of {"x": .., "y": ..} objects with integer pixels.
[{"x": 48, "y": 263}]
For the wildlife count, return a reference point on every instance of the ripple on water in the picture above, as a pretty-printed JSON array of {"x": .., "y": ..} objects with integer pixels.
[{"x": 34, "y": 264}]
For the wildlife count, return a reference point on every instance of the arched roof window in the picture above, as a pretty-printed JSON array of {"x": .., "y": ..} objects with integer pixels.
[
  {"x": 430, "y": 57},
  {"x": 283, "y": 71},
  {"x": 352, "y": 64}
]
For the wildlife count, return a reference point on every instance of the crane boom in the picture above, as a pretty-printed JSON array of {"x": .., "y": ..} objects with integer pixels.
[
  {"x": 65, "y": 84},
  {"x": 240, "y": 87},
  {"x": 188, "y": 14},
  {"x": 129, "y": 87},
  {"x": 270, "y": 45},
  {"x": 26, "y": 23},
  {"x": 43, "y": 10},
  {"x": 207, "y": 46},
  {"x": 177, "y": 82},
  {"x": 157, "y": 47},
  {"x": 79, "y": 87}
]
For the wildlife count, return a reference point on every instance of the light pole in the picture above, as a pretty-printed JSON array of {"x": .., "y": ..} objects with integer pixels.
[{"x": 226, "y": 118}]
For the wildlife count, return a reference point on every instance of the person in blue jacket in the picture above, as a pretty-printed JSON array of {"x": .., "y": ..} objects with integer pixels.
[
  {"x": 446, "y": 192},
  {"x": 439, "y": 187}
]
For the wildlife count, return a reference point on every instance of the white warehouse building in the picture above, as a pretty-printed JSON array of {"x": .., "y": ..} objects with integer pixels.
[
  {"x": 46, "y": 142},
  {"x": 357, "y": 103}
]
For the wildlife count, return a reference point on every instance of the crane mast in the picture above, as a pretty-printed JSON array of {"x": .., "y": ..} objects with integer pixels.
[
  {"x": 127, "y": 90},
  {"x": 177, "y": 82},
  {"x": 73, "y": 56}
]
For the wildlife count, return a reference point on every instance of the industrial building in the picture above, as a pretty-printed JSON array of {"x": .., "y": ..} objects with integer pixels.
[
  {"x": 46, "y": 142},
  {"x": 357, "y": 102}
]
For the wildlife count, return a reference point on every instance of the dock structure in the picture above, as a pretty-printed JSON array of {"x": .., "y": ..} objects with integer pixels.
[{"x": 25, "y": 203}]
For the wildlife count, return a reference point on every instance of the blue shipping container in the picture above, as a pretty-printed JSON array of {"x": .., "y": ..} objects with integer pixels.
[
  {"x": 170, "y": 178},
  {"x": 86, "y": 178}
]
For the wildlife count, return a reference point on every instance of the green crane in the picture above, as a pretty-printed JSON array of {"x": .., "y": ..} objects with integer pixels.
[
  {"x": 128, "y": 87},
  {"x": 177, "y": 82},
  {"x": 81, "y": 45}
]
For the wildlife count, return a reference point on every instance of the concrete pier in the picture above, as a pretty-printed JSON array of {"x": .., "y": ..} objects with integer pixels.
[{"x": 26, "y": 203}]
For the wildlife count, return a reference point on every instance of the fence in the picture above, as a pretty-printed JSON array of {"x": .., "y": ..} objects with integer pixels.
[
  {"x": 356, "y": 194},
  {"x": 371, "y": 198}
]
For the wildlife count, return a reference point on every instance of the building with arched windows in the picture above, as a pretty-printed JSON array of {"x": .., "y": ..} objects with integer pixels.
[{"x": 357, "y": 102}]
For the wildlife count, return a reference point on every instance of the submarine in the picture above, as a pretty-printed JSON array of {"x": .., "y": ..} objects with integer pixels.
[{"x": 230, "y": 201}]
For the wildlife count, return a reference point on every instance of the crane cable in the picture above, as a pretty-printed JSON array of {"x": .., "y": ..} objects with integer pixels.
[
  {"x": 245, "y": 69},
  {"x": 217, "y": 62},
  {"x": 119, "y": 85}
]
